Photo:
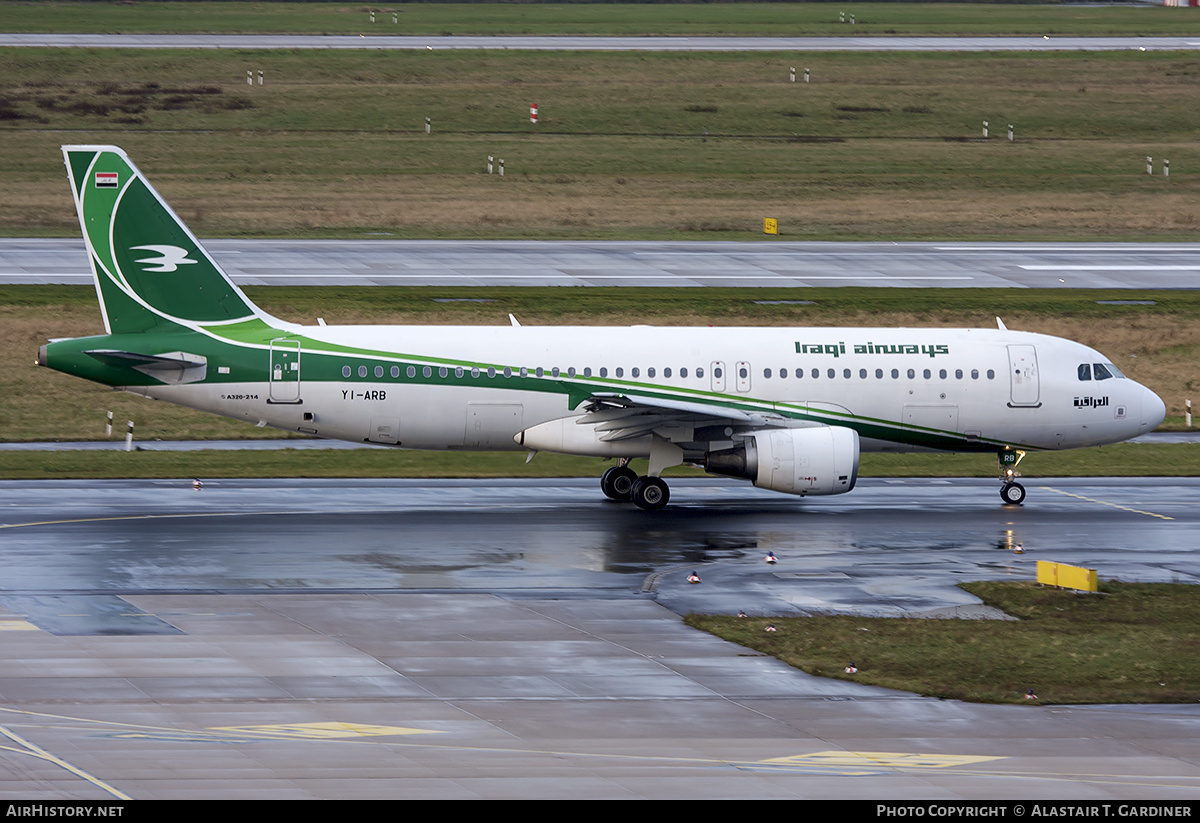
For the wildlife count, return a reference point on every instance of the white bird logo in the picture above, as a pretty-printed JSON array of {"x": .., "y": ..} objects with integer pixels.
[{"x": 170, "y": 259}]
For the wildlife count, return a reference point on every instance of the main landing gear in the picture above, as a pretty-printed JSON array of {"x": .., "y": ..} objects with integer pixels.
[
  {"x": 1011, "y": 492},
  {"x": 622, "y": 483}
]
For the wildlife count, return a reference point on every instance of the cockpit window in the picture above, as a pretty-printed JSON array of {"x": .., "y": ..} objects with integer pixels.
[
  {"x": 1085, "y": 371},
  {"x": 1105, "y": 370}
]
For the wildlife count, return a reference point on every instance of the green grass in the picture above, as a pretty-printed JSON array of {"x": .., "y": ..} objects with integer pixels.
[
  {"x": 1134, "y": 643},
  {"x": 681, "y": 146},
  {"x": 786, "y": 19},
  {"x": 1126, "y": 460}
]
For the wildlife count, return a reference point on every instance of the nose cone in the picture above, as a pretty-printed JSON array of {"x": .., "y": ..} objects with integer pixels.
[{"x": 1154, "y": 411}]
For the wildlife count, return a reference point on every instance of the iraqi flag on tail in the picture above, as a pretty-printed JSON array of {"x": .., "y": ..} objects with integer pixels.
[{"x": 106, "y": 179}]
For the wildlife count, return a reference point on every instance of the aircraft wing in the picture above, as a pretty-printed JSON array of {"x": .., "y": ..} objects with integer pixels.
[{"x": 619, "y": 417}]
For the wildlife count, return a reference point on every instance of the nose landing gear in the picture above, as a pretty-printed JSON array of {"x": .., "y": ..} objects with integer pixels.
[{"x": 1011, "y": 492}]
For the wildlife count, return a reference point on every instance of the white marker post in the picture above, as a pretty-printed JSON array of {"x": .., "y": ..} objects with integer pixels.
[
  {"x": 428, "y": 125},
  {"x": 985, "y": 129},
  {"x": 260, "y": 77},
  {"x": 1010, "y": 132},
  {"x": 806, "y": 74},
  {"x": 501, "y": 166},
  {"x": 1149, "y": 164},
  {"x": 1187, "y": 413},
  {"x": 129, "y": 437},
  {"x": 372, "y": 17},
  {"x": 108, "y": 426},
  {"x": 1166, "y": 168},
  {"x": 793, "y": 74},
  {"x": 489, "y": 164},
  {"x": 249, "y": 77}
]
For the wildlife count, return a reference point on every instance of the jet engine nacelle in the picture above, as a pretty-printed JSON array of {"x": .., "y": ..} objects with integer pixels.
[{"x": 820, "y": 460}]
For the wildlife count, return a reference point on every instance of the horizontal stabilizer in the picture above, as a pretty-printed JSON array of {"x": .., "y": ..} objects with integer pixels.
[{"x": 172, "y": 367}]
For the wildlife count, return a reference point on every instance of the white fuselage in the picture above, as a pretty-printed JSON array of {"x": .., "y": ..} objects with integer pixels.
[{"x": 902, "y": 389}]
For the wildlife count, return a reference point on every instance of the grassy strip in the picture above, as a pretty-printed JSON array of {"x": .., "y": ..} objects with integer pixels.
[
  {"x": 627, "y": 145},
  {"x": 1135, "y": 643},
  {"x": 795, "y": 19},
  {"x": 1126, "y": 460},
  {"x": 821, "y": 306}
]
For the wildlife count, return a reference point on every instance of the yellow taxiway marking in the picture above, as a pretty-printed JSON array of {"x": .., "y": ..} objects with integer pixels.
[
  {"x": 859, "y": 760},
  {"x": 322, "y": 731},
  {"x": 17, "y": 626},
  {"x": 1106, "y": 503},
  {"x": 25, "y": 747}
]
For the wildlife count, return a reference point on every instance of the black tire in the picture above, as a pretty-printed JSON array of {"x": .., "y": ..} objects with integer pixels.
[
  {"x": 650, "y": 493},
  {"x": 1012, "y": 494},
  {"x": 617, "y": 482}
]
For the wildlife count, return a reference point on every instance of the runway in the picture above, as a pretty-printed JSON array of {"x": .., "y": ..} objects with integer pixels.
[
  {"x": 1028, "y": 43},
  {"x": 654, "y": 264},
  {"x": 520, "y": 639}
]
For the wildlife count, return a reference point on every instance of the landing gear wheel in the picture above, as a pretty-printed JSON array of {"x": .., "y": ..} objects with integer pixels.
[
  {"x": 617, "y": 482},
  {"x": 1012, "y": 493},
  {"x": 650, "y": 493}
]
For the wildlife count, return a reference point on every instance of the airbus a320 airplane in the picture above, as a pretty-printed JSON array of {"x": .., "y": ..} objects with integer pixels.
[{"x": 787, "y": 408}]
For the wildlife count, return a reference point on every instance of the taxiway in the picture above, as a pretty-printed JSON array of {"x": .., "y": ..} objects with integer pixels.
[{"x": 521, "y": 639}]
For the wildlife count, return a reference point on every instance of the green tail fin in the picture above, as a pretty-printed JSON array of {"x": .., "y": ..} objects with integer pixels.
[{"x": 151, "y": 272}]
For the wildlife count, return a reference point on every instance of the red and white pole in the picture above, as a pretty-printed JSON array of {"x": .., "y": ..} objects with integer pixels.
[{"x": 533, "y": 113}]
